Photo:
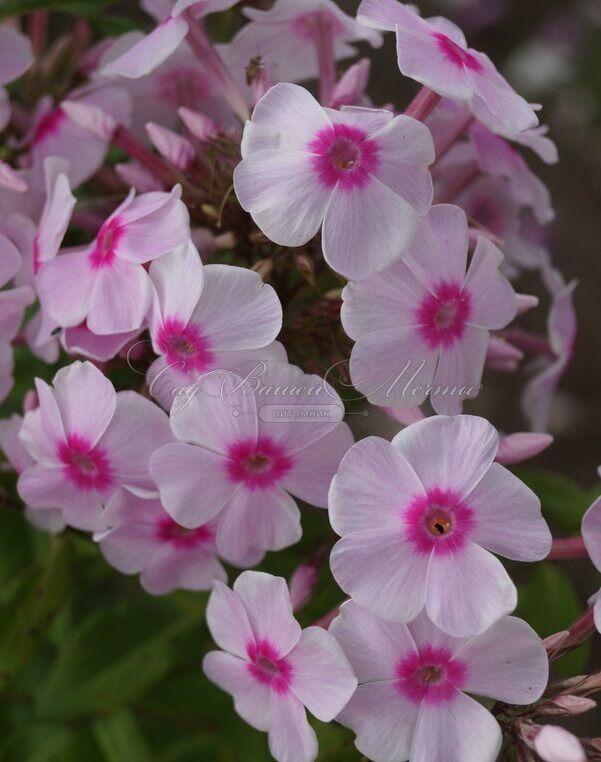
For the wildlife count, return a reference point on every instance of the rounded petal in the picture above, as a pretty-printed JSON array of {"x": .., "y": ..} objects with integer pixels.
[
  {"x": 508, "y": 662},
  {"x": 196, "y": 570},
  {"x": 283, "y": 195},
  {"x": 591, "y": 532},
  {"x": 492, "y": 298},
  {"x": 228, "y": 621},
  {"x": 406, "y": 149},
  {"x": 138, "y": 428},
  {"x": 42, "y": 428},
  {"x": 372, "y": 645},
  {"x": 388, "y": 297},
  {"x": 508, "y": 517},
  {"x": 120, "y": 298},
  {"x": 291, "y": 738},
  {"x": 257, "y": 317},
  {"x": 291, "y": 111},
  {"x": 267, "y": 603},
  {"x": 16, "y": 54},
  {"x": 65, "y": 287},
  {"x": 449, "y": 453},
  {"x": 315, "y": 465},
  {"x": 467, "y": 592},
  {"x": 382, "y": 573},
  {"x": 178, "y": 278},
  {"x": 192, "y": 482},
  {"x": 556, "y": 744},
  {"x": 366, "y": 229},
  {"x": 10, "y": 260},
  {"x": 373, "y": 484},
  {"x": 461, "y": 730},
  {"x": 150, "y": 51},
  {"x": 383, "y": 721},
  {"x": 86, "y": 399},
  {"x": 438, "y": 251},
  {"x": 323, "y": 680},
  {"x": 459, "y": 371},
  {"x": 218, "y": 412},
  {"x": 257, "y": 520},
  {"x": 394, "y": 367},
  {"x": 252, "y": 699}
]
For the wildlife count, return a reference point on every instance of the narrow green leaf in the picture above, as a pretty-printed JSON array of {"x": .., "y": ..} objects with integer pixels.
[{"x": 120, "y": 738}]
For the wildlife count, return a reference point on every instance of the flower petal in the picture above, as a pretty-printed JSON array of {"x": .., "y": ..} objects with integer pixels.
[
  {"x": 508, "y": 517},
  {"x": 228, "y": 621},
  {"x": 492, "y": 298},
  {"x": 468, "y": 591},
  {"x": 508, "y": 662},
  {"x": 291, "y": 738}
]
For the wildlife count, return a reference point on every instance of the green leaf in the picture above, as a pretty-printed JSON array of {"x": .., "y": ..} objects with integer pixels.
[
  {"x": 120, "y": 738},
  {"x": 111, "y": 659},
  {"x": 550, "y": 604},
  {"x": 564, "y": 501},
  {"x": 29, "y": 618},
  {"x": 75, "y": 7}
]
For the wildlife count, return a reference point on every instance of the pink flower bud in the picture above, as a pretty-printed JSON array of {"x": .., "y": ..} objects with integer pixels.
[
  {"x": 555, "y": 744},
  {"x": 173, "y": 147},
  {"x": 302, "y": 584},
  {"x": 200, "y": 125},
  {"x": 514, "y": 448}
]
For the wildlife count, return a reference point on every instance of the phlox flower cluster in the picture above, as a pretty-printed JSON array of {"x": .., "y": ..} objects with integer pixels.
[{"x": 195, "y": 240}]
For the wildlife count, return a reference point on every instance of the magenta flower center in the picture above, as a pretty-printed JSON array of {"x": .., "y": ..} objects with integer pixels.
[
  {"x": 104, "y": 252},
  {"x": 344, "y": 155},
  {"x": 442, "y": 315},
  {"x": 258, "y": 465},
  {"x": 266, "y": 666},
  {"x": 86, "y": 466},
  {"x": 457, "y": 55},
  {"x": 184, "y": 346},
  {"x": 184, "y": 86},
  {"x": 171, "y": 532},
  {"x": 48, "y": 125},
  {"x": 431, "y": 675},
  {"x": 438, "y": 522}
]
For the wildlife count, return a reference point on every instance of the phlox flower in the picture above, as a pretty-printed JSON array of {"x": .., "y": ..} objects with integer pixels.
[
  {"x": 412, "y": 701},
  {"x": 245, "y": 446},
  {"x": 283, "y": 34},
  {"x": 206, "y": 318},
  {"x": 422, "y": 326},
  {"x": 49, "y": 520},
  {"x": 54, "y": 133},
  {"x": 105, "y": 283},
  {"x": 591, "y": 533},
  {"x": 359, "y": 174},
  {"x": 435, "y": 52},
  {"x": 420, "y": 519},
  {"x": 141, "y": 538},
  {"x": 561, "y": 328},
  {"x": 16, "y": 54},
  {"x": 271, "y": 667},
  {"x": 86, "y": 440},
  {"x": 489, "y": 203}
]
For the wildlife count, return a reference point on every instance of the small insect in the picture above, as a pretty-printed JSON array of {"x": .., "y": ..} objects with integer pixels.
[{"x": 254, "y": 68}]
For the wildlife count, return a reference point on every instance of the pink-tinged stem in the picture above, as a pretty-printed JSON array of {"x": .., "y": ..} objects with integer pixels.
[
  {"x": 141, "y": 153},
  {"x": 462, "y": 183},
  {"x": 423, "y": 104},
  {"x": 452, "y": 135},
  {"x": 568, "y": 547},
  {"x": 37, "y": 29},
  {"x": 529, "y": 342},
  {"x": 574, "y": 636},
  {"x": 324, "y": 46},
  {"x": 205, "y": 51}
]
